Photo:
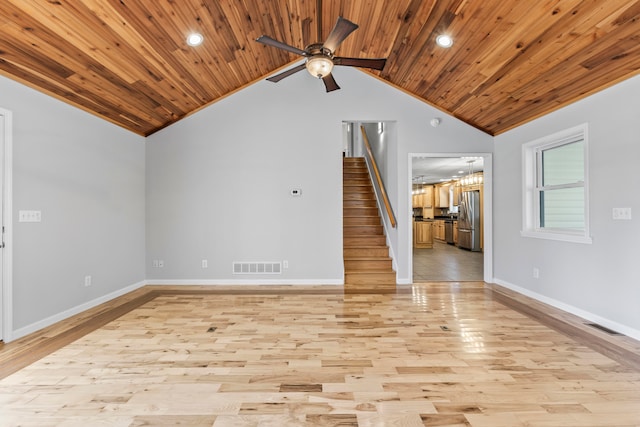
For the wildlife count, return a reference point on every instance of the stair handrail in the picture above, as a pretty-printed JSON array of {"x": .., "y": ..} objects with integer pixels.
[{"x": 376, "y": 172}]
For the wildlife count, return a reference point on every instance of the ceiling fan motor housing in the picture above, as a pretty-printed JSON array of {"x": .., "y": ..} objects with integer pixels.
[{"x": 319, "y": 63}]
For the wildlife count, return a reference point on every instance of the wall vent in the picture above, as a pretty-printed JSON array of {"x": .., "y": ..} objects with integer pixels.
[
  {"x": 603, "y": 329},
  {"x": 257, "y": 267}
]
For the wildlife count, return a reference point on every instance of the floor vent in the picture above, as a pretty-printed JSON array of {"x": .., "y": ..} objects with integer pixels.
[
  {"x": 257, "y": 268},
  {"x": 603, "y": 329}
]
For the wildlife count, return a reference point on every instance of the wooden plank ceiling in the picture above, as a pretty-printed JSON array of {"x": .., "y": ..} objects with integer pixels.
[{"x": 127, "y": 60}]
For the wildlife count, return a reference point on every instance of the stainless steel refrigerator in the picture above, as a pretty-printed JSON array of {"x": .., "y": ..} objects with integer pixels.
[{"x": 469, "y": 220}]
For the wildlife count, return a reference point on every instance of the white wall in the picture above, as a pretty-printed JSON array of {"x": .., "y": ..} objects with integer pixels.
[
  {"x": 86, "y": 176},
  {"x": 218, "y": 182},
  {"x": 416, "y": 135},
  {"x": 600, "y": 280}
]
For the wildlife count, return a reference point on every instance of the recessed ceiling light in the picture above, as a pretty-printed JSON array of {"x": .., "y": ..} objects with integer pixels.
[
  {"x": 444, "y": 40},
  {"x": 194, "y": 39}
]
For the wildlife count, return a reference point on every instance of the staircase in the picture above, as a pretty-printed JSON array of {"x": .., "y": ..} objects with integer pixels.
[{"x": 367, "y": 265}]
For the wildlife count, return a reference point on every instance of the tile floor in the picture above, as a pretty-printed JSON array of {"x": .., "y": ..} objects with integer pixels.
[{"x": 446, "y": 263}]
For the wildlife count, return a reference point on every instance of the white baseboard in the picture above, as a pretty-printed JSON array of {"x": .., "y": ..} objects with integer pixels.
[
  {"x": 248, "y": 282},
  {"x": 19, "y": 333},
  {"x": 591, "y": 317}
]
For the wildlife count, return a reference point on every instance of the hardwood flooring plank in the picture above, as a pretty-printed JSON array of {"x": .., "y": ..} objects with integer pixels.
[{"x": 438, "y": 354}]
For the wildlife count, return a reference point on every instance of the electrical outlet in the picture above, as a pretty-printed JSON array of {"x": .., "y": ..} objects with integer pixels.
[
  {"x": 87, "y": 281},
  {"x": 536, "y": 273},
  {"x": 154, "y": 263},
  {"x": 205, "y": 263},
  {"x": 285, "y": 264}
]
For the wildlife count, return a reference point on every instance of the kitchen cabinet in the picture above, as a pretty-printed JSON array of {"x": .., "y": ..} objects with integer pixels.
[
  {"x": 455, "y": 232},
  {"x": 438, "y": 229},
  {"x": 423, "y": 197},
  {"x": 416, "y": 202},
  {"x": 423, "y": 234},
  {"x": 457, "y": 189},
  {"x": 427, "y": 196},
  {"x": 441, "y": 193},
  {"x": 473, "y": 182}
]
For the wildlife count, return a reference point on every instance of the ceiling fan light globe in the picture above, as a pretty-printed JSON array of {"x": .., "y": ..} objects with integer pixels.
[{"x": 319, "y": 66}]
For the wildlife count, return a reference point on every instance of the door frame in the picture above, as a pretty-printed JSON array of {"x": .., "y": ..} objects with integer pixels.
[
  {"x": 487, "y": 210},
  {"x": 6, "y": 288}
]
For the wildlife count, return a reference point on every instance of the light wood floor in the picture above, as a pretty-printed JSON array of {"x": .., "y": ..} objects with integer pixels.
[{"x": 450, "y": 354}]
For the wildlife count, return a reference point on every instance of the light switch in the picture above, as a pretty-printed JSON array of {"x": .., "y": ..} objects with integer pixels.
[
  {"x": 29, "y": 216},
  {"x": 621, "y": 213}
]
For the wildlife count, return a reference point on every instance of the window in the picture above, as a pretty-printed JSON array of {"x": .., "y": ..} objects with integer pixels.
[{"x": 555, "y": 194}]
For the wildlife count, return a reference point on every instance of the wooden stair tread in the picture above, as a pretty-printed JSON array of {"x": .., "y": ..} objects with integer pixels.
[
  {"x": 366, "y": 246},
  {"x": 366, "y": 212},
  {"x": 379, "y": 279},
  {"x": 367, "y": 258},
  {"x": 370, "y": 249},
  {"x": 379, "y": 240},
  {"x": 359, "y": 252},
  {"x": 359, "y": 203},
  {"x": 372, "y": 274}
]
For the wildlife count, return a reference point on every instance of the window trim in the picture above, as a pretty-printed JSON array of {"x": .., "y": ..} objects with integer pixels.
[{"x": 530, "y": 175}]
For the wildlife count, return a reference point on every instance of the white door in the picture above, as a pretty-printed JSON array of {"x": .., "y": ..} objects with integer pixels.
[
  {"x": 5, "y": 225},
  {"x": 6, "y": 254}
]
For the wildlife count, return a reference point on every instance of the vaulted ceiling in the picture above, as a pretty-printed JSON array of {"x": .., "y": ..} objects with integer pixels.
[{"x": 127, "y": 61}]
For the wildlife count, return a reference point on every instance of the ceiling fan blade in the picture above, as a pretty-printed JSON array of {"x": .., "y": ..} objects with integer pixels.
[
  {"x": 375, "y": 63},
  {"x": 340, "y": 31},
  {"x": 286, "y": 73},
  {"x": 280, "y": 45},
  {"x": 330, "y": 83}
]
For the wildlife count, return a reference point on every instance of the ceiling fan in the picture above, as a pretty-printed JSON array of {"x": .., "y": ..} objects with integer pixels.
[{"x": 320, "y": 56}]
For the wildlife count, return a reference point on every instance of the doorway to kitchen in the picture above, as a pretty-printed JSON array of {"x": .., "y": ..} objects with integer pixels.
[{"x": 450, "y": 208}]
